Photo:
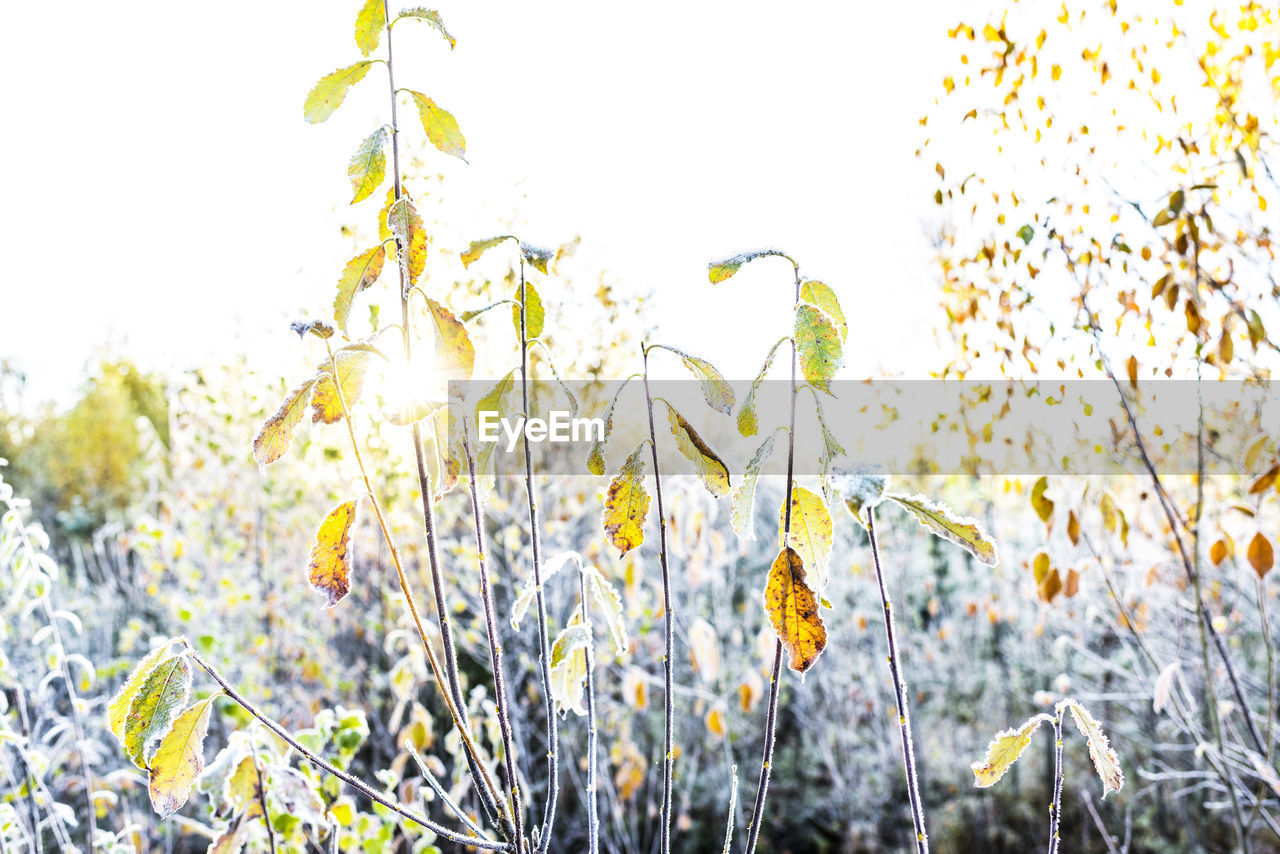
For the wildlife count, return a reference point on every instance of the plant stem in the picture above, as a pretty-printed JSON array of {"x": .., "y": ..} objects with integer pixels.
[
  {"x": 20, "y": 698},
  {"x": 73, "y": 701},
  {"x": 1055, "y": 806},
  {"x": 593, "y": 819},
  {"x": 668, "y": 706},
  {"x": 775, "y": 678},
  {"x": 544, "y": 645},
  {"x": 354, "y": 782},
  {"x": 484, "y": 785},
  {"x": 495, "y": 651},
  {"x": 262, "y": 795},
  {"x": 900, "y": 694}
]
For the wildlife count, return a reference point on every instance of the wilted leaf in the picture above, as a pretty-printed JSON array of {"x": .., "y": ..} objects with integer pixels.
[
  {"x": 179, "y": 759},
  {"x": 707, "y": 465},
  {"x": 627, "y": 504},
  {"x": 432, "y": 17},
  {"x": 453, "y": 344},
  {"x": 595, "y": 458},
  {"x": 819, "y": 294},
  {"x": 368, "y": 165},
  {"x": 479, "y": 247},
  {"x": 1105, "y": 761},
  {"x": 818, "y": 346},
  {"x": 1042, "y": 505},
  {"x": 326, "y": 96},
  {"x": 440, "y": 126},
  {"x": 793, "y": 611},
  {"x": 942, "y": 521},
  {"x": 404, "y": 222},
  {"x": 1261, "y": 555},
  {"x": 1164, "y": 687},
  {"x": 535, "y": 316},
  {"x": 330, "y": 568},
  {"x": 611, "y": 604},
  {"x": 276, "y": 435},
  {"x": 743, "y": 502},
  {"x": 360, "y": 273},
  {"x": 748, "y": 421},
  {"x": 536, "y": 256},
  {"x": 718, "y": 271},
  {"x": 811, "y": 533},
  {"x": 569, "y": 668},
  {"x": 447, "y": 468},
  {"x": 714, "y": 388},
  {"x": 1004, "y": 750},
  {"x": 162, "y": 694},
  {"x": 120, "y": 704},
  {"x": 352, "y": 364},
  {"x": 370, "y": 22}
]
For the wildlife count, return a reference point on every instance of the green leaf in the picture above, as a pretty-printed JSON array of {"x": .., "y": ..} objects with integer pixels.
[
  {"x": 360, "y": 273},
  {"x": 162, "y": 694},
  {"x": 1105, "y": 761},
  {"x": 453, "y": 344},
  {"x": 718, "y": 271},
  {"x": 748, "y": 420},
  {"x": 120, "y": 704},
  {"x": 627, "y": 505},
  {"x": 535, "y": 316},
  {"x": 707, "y": 465},
  {"x": 276, "y": 435},
  {"x": 1165, "y": 217},
  {"x": 820, "y": 295},
  {"x": 327, "y": 95},
  {"x": 743, "y": 502},
  {"x": 941, "y": 521},
  {"x": 404, "y": 222},
  {"x": 811, "y": 533},
  {"x": 370, "y": 23},
  {"x": 179, "y": 759},
  {"x": 536, "y": 257},
  {"x": 368, "y": 165},
  {"x": 569, "y": 668},
  {"x": 595, "y": 458},
  {"x": 718, "y": 393},
  {"x": 818, "y": 345},
  {"x": 440, "y": 126},
  {"x": 1026, "y": 233},
  {"x": 479, "y": 247},
  {"x": 1004, "y": 750},
  {"x": 330, "y": 569},
  {"x": 432, "y": 17}
]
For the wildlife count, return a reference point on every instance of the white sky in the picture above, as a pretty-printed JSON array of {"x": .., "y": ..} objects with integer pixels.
[{"x": 161, "y": 181}]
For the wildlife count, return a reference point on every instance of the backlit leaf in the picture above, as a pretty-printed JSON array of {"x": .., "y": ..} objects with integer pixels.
[
  {"x": 453, "y": 344},
  {"x": 811, "y": 534},
  {"x": 535, "y": 316},
  {"x": 1105, "y": 761},
  {"x": 569, "y": 668},
  {"x": 479, "y": 247},
  {"x": 707, "y": 465},
  {"x": 327, "y": 95},
  {"x": 120, "y": 704},
  {"x": 352, "y": 365},
  {"x": 440, "y": 126},
  {"x": 595, "y": 458},
  {"x": 276, "y": 435},
  {"x": 718, "y": 271},
  {"x": 748, "y": 420},
  {"x": 821, "y": 295},
  {"x": 742, "y": 504},
  {"x": 818, "y": 346},
  {"x": 718, "y": 393},
  {"x": 154, "y": 707},
  {"x": 627, "y": 504},
  {"x": 942, "y": 521},
  {"x": 406, "y": 225},
  {"x": 793, "y": 611},
  {"x": 432, "y": 17},
  {"x": 1042, "y": 505},
  {"x": 368, "y": 165},
  {"x": 370, "y": 22},
  {"x": 360, "y": 273},
  {"x": 1261, "y": 555},
  {"x": 179, "y": 759},
  {"x": 1004, "y": 750},
  {"x": 330, "y": 568}
]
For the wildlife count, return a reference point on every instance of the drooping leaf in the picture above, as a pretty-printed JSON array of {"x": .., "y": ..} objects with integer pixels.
[
  {"x": 821, "y": 295},
  {"x": 179, "y": 759},
  {"x": 432, "y": 17},
  {"x": 595, "y": 457},
  {"x": 276, "y": 435},
  {"x": 550, "y": 568},
  {"x": 327, "y": 95},
  {"x": 536, "y": 256},
  {"x": 718, "y": 271},
  {"x": 447, "y": 469},
  {"x": 707, "y": 465},
  {"x": 479, "y": 247},
  {"x": 118, "y": 709},
  {"x": 352, "y": 365},
  {"x": 1163, "y": 691},
  {"x": 496, "y": 402},
  {"x": 718, "y": 393},
  {"x": 406, "y": 225},
  {"x": 535, "y": 316},
  {"x": 748, "y": 420},
  {"x": 453, "y": 344},
  {"x": 440, "y": 126},
  {"x": 811, "y": 534},
  {"x": 559, "y": 380},
  {"x": 742, "y": 504},
  {"x": 1039, "y": 502},
  {"x": 610, "y": 602},
  {"x": 318, "y": 328},
  {"x": 1105, "y": 761},
  {"x": 627, "y": 504},
  {"x": 861, "y": 488},
  {"x": 368, "y": 165},
  {"x": 360, "y": 273},
  {"x": 162, "y": 694},
  {"x": 942, "y": 521},
  {"x": 1261, "y": 554},
  {"x": 818, "y": 346},
  {"x": 793, "y": 611},
  {"x": 370, "y": 22},
  {"x": 330, "y": 568},
  {"x": 569, "y": 668},
  {"x": 1004, "y": 750}
]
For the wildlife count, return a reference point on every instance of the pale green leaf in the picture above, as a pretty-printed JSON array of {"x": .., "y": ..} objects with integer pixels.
[
  {"x": 942, "y": 521},
  {"x": 154, "y": 707},
  {"x": 742, "y": 503},
  {"x": 1004, "y": 750},
  {"x": 118, "y": 709},
  {"x": 535, "y": 315},
  {"x": 748, "y": 419},
  {"x": 818, "y": 346},
  {"x": 327, "y": 95},
  {"x": 479, "y": 247},
  {"x": 595, "y": 458},
  {"x": 1105, "y": 761},
  {"x": 569, "y": 668}
]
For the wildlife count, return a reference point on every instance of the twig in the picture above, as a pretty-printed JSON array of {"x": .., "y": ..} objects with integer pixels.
[
  {"x": 1097, "y": 821},
  {"x": 593, "y": 818},
  {"x": 262, "y": 794},
  {"x": 441, "y": 793},
  {"x": 1055, "y": 806}
]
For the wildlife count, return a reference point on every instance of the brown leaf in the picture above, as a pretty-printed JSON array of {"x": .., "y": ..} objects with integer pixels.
[
  {"x": 793, "y": 611},
  {"x": 1264, "y": 482},
  {"x": 1261, "y": 555}
]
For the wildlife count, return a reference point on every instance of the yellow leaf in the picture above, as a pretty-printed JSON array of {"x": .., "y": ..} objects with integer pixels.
[
  {"x": 818, "y": 346},
  {"x": 1004, "y": 750},
  {"x": 326, "y": 403},
  {"x": 479, "y": 247},
  {"x": 179, "y": 759},
  {"x": 718, "y": 271},
  {"x": 368, "y": 166},
  {"x": 118, "y": 709},
  {"x": 1042, "y": 505},
  {"x": 1051, "y": 586},
  {"x": 535, "y": 316},
  {"x": 405, "y": 224},
  {"x": 821, "y": 295},
  {"x": 715, "y": 722},
  {"x": 793, "y": 611},
  {"x": 453, "y": 344},
  {"x": 432, "y": 17},
  {"x": 1073, "y": 528},
  {"x": 370, "y": 23},
  {"x": 1132, "y": 368},
  {"x": 276, "y": 435},
  {"x": 1040, "y": 567},
  {"x": 162, "y": 694},
  {"x": 627, "y": 505},
  {"x": 360, "y": 273},
  {"x": 327, "y": 95},
  {"x": 440, "y": 126},
  {"x": 330, "y": 569},
  {"x": 707, "y": 465},
  {"x": 1219, "y": 552},
  {"x": 1264, "y": 482},
  {"x": 811, "y": 533},
  {"x": 569, "y": 668},
  {"x": 1105, "y": 761},
  {"x": 1261, "y": 555}
]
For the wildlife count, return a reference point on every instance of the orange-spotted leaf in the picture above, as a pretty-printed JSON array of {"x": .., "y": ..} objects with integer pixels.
[
  {"x": 627, "y": 505},
  {"x": 818, "y": 346},
  {"x": 330, "y": 569},
  {"x": 405, "y": 225},
  {"x": 339, "y": 385},
  {"x": 360, "y": 273},
  {"x": 811, "y": 533},
  {"x": 453, "y": 344},
  {"x": 793, "y": 611},
  {"x": 276, "y": 435}
]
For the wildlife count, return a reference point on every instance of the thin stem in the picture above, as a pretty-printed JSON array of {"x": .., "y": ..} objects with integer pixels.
[
  {"x": 73, "y": 701},
  {"x": 668, "y": 706},
  {"x": 25, "y": 729},
  {"x": 484, "y": 785},
  {"x": 440, "y": 792},
  {"x": 733, "y": 805},
  {"x": 775, "y": 677},
  {"x": 354, "y": 782},
  {"x": 495, "y": 650},
  {"x": 544, "y": 645},
  {"x": 900, "y": 695},
  {"x": 1055, "y": 806},
  {"x": 593, "y": 819},
  {"x": 262, "y": 795}
]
